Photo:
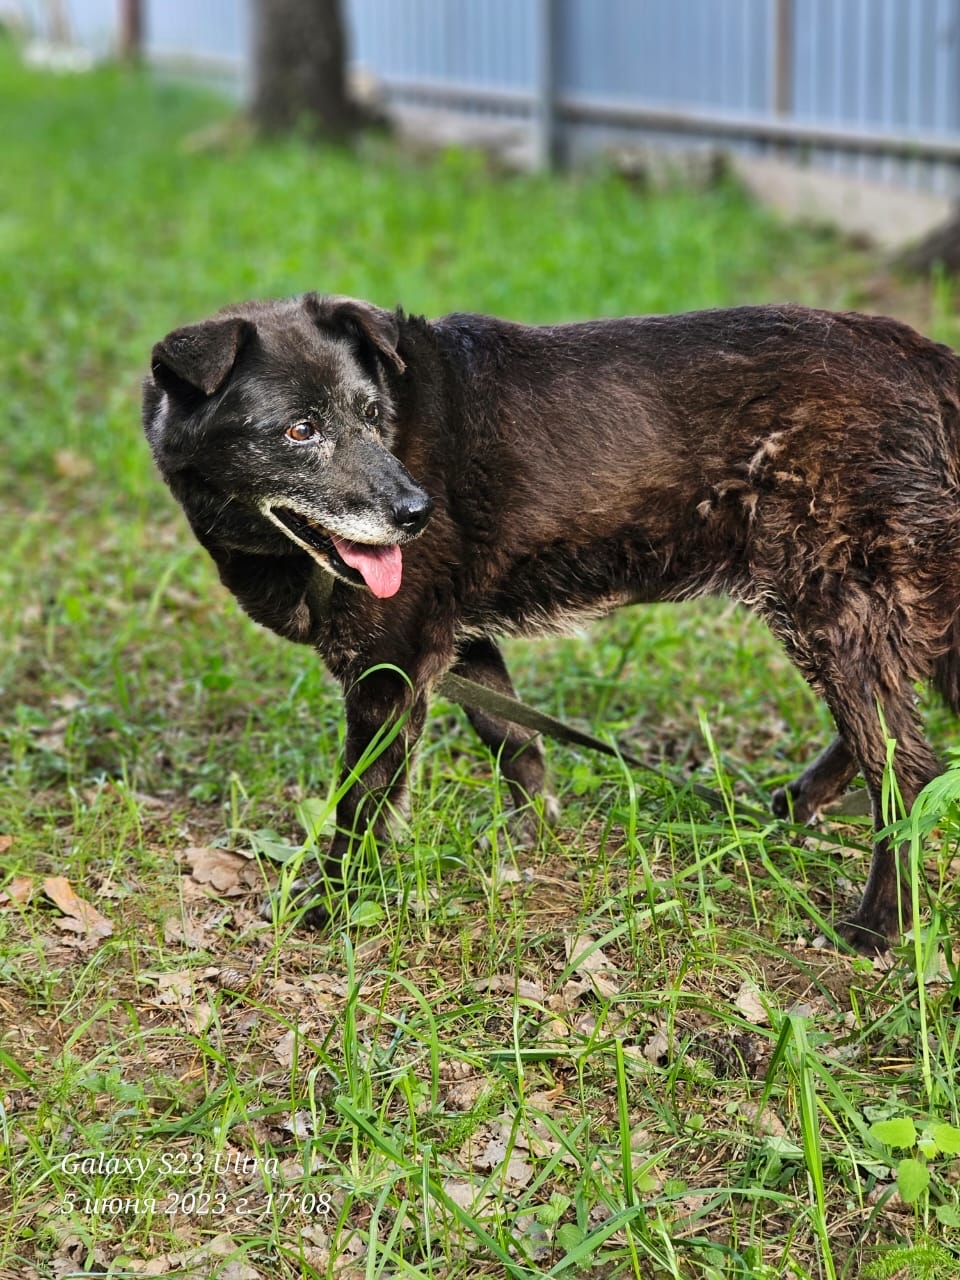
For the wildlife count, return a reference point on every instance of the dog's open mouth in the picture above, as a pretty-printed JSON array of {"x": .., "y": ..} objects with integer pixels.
[{"x": 379, "y": 567}]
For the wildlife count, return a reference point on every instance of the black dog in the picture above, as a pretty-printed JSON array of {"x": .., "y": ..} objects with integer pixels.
[{"x": 804, "y": 463}]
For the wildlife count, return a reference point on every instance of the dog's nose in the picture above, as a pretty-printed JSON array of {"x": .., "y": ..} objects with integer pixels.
[{"x": 411, "y": 514}]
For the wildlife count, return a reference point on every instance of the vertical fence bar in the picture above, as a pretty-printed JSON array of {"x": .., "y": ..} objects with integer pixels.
[
  {"x": 783, "y": 57},
  {"x": 546, "y": 125},
  {"x": 131, "y": 30}
]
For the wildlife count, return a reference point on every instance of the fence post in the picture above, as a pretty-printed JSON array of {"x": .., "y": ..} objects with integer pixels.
[
  {"x": 783, "y": 57},
  {"x": 546, "y": 127},
  {"x": 131, "y": 30}
]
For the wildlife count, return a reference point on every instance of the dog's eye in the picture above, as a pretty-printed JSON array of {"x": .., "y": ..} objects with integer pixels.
[
  {"x": 302, "y": 432},
  {"x": 371, "y": 411}
]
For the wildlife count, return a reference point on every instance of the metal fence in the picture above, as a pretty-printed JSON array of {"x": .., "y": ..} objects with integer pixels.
[{"x": 869, "y": 86}]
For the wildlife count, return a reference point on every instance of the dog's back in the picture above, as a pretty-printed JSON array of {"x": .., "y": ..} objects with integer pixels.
[{"x": 769, "y": 452}]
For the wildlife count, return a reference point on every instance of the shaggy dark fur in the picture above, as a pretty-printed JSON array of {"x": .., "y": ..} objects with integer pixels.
[{"x": 802, "y": 462}]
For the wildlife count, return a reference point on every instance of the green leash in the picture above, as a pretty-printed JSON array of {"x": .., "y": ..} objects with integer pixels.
[{"x": 479, "y": 697}]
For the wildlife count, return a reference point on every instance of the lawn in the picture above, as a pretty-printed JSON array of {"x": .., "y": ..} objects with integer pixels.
[{"x": 619, "y": 1055}]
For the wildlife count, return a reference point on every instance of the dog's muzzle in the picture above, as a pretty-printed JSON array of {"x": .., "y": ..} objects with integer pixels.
[{"x": 376, "y": 565}]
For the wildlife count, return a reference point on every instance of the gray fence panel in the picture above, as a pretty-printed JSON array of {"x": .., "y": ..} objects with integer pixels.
[
  {"x": 470, "y": 42},
  {"x": 212, "y": 30},
  {"x": 890, "y": 65},
  {"x": 879, "y": 64},
  {"x": 703, "y": 52},
  {"x": 693, "y": 52}
]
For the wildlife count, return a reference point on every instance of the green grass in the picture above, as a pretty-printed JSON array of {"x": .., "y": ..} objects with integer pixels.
[{"x": 615, "y": 1056}]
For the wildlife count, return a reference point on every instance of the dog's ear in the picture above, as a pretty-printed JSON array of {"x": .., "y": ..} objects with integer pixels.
[
  {"x": 361, "y": 320},
  {"x": 200, "y": 355}
]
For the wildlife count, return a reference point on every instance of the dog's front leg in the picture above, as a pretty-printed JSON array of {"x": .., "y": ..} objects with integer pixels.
[
  {"x": 518, "y": 750},
  {"x": 385, "y": 714}
]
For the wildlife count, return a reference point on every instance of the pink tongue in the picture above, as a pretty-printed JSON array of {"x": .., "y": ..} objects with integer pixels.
[{"x": 380, "y": 567}]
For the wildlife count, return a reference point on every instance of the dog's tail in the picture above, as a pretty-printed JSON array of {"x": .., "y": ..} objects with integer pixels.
[{"x": 946, "y": 669}]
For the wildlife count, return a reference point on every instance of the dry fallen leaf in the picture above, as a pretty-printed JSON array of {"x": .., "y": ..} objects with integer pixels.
[
  {"x": 70, "y": 465},
  {"x": 5, "y": 843},
  {"x": 750, "y": 1005},
  {"x": 592, "y": 965},
  {"x": 767, "y": 1121},
  {"x": 228, "y": 873},
  {"x": 569, "y": 996},
  {"x": 554, "y": 1032},
  {"x": 532, "y": 1136},
  {"x": 585, "y": 1023},
  {"x": 186, "y": 932},
  {"x": 283, "y": 1050},
  {"x": 512, "y": 1169},
  {"x": 470, "y": 1196},
  {"x": 584, "y": 954},
  {"x": 286, "y": 1047},
  {"x": 195, "y": 1265},
  {"x": 199, "y": 1017},
  {"x": 79, "y": 916},
  {"x": 463, "y": 1095},
  {"x": 174, "y": 987},
  {"x": 537, "y": 1244},
  {"x": 507, "y": 982},
  {"x": 174, "y": 991},
  {"x": 657, "y": 1048},
  {"x": 300, "y": 1125},
  {"x": 19, "y": 891},
  {"x": 549, "y": 1100}
]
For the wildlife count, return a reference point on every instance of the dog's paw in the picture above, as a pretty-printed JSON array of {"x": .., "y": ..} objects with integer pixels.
[
  {"x": 866, "y": 939},
  {"x": 526, "y": 827},
  {"x": 551, "y": 810},
  {"x": 529, "y": 825},
  {"x": 304, "y": 904},
  {"x": 791, "y": 805}
]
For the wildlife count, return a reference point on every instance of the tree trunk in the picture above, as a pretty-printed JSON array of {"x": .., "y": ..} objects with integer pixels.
[{"x": 300, "y": 59}]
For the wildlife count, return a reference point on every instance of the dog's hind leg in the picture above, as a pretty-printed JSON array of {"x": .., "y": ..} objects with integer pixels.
[
  {"x": 519, "y": 751},
  {"x": 871, "y": 696},
  {"x": 823, "y": 781}
]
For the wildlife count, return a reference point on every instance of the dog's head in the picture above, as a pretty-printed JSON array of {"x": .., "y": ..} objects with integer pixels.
[{"x": 274, "y": 423}]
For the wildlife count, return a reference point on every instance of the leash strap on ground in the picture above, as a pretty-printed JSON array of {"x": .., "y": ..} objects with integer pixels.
[{"x": 480, "y": 697}]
